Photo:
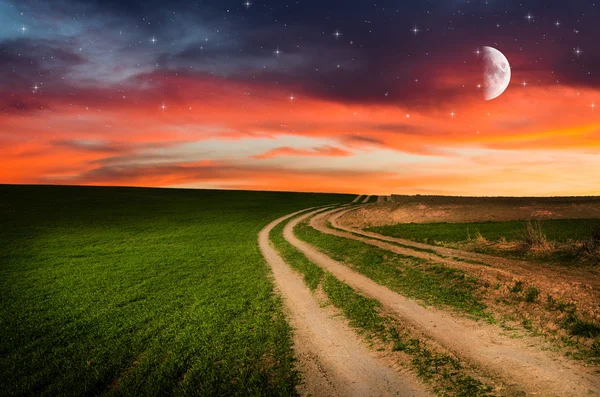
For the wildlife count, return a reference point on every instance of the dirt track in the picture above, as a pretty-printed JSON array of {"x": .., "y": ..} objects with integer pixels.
[
  {"x": 356, "y": 199},
  {"x": 520, "y": 363},
  {"x": 331, "y": 358},
  {"x": 578, "y": 285}
]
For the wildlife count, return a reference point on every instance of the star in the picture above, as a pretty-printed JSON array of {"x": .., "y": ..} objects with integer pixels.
[
  {"x": 477, "y": 51},
  {"x": 337, "y": 34},
  {"x": 452, "y": 114},
  {"x": 524, "y": 83},
  {"x": 292, "y": 97},
  {"x": 529, "y": 17},
  {"x": 277, "y": 52},
  {"x": 23, "y": 29},
  {"x": 35, "y": 88},
  {"x": 163, "y": 107},
  {"x": 593, "y": 106},
  {"x": 248, "y": 4},
  {"x": 415, "y": 30},
  {"x": 153, "y": 40},
  {"x": 577, "y": 51},
  {"x": 557, "y": 23}
]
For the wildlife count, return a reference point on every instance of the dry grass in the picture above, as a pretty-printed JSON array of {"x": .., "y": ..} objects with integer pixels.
[{"x": 534, "y": 239}]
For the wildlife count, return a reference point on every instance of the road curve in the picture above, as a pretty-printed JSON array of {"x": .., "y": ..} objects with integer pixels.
[
  {"x": 331, "y": 357},
  {"x": 520, "y": 364}
]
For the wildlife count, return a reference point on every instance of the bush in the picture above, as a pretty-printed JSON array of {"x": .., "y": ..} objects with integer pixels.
[
  {"x": 531, "y": 295},
  {"x": 584, "y": 328},
  {"x": 518, "y": 287}
]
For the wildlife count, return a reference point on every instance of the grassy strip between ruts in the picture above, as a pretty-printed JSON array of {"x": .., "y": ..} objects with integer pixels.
[
  {"x": 443, "y": 371},
  {"x": 417, "y": 278},
  {"x": 122, "y": 291}
]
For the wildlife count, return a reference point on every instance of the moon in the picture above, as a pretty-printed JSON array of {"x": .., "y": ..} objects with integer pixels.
[{"x": 496, "y": 73}]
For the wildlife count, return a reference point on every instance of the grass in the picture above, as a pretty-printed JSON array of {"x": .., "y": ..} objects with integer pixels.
[
  {"x": 559, "y": 230},
  {"x": 125, "y": 291},
  {"x": 414, "y": 277},
  {"x": 557, "y": 240},
  {"x": 364, "y": 314},
  {"x": 312, "y": 273}
]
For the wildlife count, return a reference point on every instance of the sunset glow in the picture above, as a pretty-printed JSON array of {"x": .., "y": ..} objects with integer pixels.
[{"x": 207, "y": 104}]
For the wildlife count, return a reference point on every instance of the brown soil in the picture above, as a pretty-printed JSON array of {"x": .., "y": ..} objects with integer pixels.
[
  {"x": 428, "y": 209},
  {"x": 520, "y": 363},
  {"x": 330, "y": 356}
]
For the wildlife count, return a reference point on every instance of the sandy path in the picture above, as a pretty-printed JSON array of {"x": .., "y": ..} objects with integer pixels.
[
  {"x": 356, "y": 199},
  {"x": 366, "y": 199},
  {"x": 578, "y": 279},
  {"x": 331, "y": 358},
  {"x": 517, "y": 362}
]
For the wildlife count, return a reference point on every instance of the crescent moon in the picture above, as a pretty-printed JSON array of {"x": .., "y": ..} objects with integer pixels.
[{"x": 496, "y": 73}]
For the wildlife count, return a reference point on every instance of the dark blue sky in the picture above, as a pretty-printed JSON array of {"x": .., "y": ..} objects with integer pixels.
[{"x": 376, "y": 51}]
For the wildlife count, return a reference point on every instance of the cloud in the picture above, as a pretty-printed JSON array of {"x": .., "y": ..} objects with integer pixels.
[{"x": 321, "y": 151}]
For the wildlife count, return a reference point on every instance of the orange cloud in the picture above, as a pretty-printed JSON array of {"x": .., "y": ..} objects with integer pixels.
[
  {"x": 67, "y": 142},
  {"x": 321, "y": 151}
]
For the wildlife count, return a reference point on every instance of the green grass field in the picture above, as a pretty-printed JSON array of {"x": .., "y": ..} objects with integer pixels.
[
  {"x": 560, "y": 230},
  {"x": 123, "y": 291}
]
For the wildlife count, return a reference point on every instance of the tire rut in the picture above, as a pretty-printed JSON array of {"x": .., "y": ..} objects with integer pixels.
[{"x": 331, "y": 357}]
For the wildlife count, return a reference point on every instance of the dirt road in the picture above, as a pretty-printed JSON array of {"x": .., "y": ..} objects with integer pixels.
[
  {"x": 356, "y": 199},
  {"x": 332, "y": 360},
  {"x": 576, "y": 285},
  {"x": 366, "y": 199},
  {"x": 520, "y": 363}
]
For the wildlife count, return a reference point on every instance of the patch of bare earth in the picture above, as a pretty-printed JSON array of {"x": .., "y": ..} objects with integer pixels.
[
  {"x": 331, "y": 358},
  {"x": 521, "y": 363},
  {"x": 430, "y": 209}
]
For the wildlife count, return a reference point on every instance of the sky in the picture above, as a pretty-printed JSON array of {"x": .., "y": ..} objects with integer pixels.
[{"x": 373, "y": 97}]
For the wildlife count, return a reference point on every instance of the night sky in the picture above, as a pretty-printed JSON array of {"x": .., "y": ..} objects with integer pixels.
[{"x": 344, "y": 96}]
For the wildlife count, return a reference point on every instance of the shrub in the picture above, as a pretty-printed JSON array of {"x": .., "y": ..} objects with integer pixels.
[
  {"x": 518, "y": 287},
  {"x": 531, "y": 295},
  {"x": 584, "y": 328}
]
